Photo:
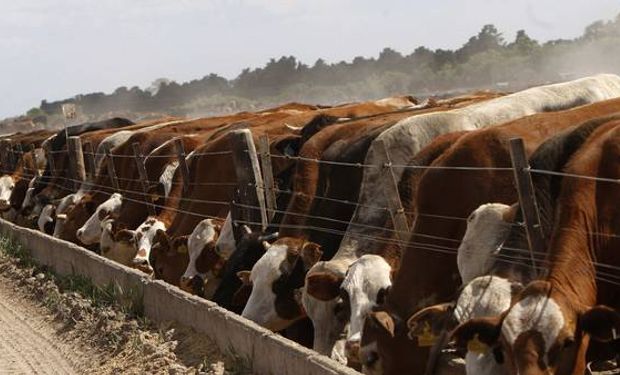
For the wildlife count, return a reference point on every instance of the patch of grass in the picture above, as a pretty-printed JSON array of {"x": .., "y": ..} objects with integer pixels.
[
  {"x": 128, "y": 301},
  {"x": 15, "y": 250}
]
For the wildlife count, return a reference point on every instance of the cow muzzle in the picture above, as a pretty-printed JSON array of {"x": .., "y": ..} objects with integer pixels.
[{"x": 142, "y": 264}]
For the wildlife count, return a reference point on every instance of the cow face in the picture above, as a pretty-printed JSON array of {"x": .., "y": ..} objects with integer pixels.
[
  {"x": 204, "y": 261},
  {"x": 275, "y": 278},
  {"x": 76, "y": 215},
  {"x": 169, "y": 258},
  {"x": 45, "y": 222},
  {"x": 145, "y": 239},
  {"x": 90, "y": 232},
  {"x": 321, "y": 299},
  {"x": 538, "y": 334},
  {"x": 366, "y": 284},
  {"x": 487, "y": 229},
  {"x": 7, "y": 184},
  {"x": 116, "y": 242}
]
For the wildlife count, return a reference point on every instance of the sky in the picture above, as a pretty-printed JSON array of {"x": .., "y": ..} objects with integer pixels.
[{"x": 54, "y": 49}]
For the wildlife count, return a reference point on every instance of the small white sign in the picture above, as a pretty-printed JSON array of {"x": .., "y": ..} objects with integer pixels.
[{"x": 69, "y": 111}]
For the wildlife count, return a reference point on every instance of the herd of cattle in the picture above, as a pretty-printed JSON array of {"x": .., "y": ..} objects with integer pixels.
[{"x": 331, "y": 271}]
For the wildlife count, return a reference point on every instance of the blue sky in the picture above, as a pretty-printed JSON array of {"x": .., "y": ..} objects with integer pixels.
[{"x": 52, "y": 49}]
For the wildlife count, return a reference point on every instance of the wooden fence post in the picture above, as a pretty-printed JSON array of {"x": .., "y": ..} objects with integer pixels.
[
  {"x": 89, "y": 160},
  {"x": 178, "y": 146},
  {"x": 390, "y": 189},
  {"x": 111, "y": 169},
  {"x": 268, "y": 180},
  {"x": 527, "y": 199},
  {"x": 144, "y": 178},
  {"x": 76, "y": 161},
  {"x": 249, "y": 180}
]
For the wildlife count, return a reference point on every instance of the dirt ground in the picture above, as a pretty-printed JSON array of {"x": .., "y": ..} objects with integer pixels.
[{"x": 46, "y": 329}]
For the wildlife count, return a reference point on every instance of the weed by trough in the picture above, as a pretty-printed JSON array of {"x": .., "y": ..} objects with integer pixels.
[{"x": 111, "y": 320}]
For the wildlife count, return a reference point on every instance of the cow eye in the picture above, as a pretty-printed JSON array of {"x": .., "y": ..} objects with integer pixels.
[{"x": 569, "y": 342}]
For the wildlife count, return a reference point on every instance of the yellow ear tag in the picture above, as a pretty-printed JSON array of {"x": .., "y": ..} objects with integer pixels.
[
  {"x": 476, "y": 346},
  {"x": 182, "y": 249},
  {"x": 426, "y": 338}
]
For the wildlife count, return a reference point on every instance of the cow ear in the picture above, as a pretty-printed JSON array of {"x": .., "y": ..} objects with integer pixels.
[
  {"x": 161, "y": 238},
  {"x": 602, "y": 323},
  {"x": 244, "y": 276},
  {"x": 323, "y": 285},
  {"x": 156, "y": 192},
  {"x": 426, "y": 325},
  {"x": 122, "y": 235},
  {"x": 180, "y": 244},
  {"x": 383, "y": 320},
  {"x": 478, "y": 335},
  {"x": 310, "y": 254}
]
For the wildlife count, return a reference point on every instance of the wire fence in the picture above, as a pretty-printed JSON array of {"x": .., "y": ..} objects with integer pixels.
[{"x": 379, "y": 234}]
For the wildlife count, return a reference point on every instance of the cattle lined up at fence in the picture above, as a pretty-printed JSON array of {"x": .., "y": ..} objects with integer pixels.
[{"x": 381, "y": 233}]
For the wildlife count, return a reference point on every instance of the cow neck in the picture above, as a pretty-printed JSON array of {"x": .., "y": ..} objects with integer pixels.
[
  {"x": 585, "y": 222},
  {"x": 305, "y": 185}
]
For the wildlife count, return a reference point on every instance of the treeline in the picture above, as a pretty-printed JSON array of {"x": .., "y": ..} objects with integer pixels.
[{"x": 486, "y": 60}]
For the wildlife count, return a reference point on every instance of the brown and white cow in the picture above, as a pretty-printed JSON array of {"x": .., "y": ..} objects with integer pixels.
[
  {"x": 438, "y": 228},
  {"x": 345, "y": 142},
  {"x": 548, "y": 326}
]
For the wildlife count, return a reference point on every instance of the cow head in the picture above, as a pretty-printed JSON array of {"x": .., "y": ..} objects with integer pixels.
[
  {"x": 487, "y": 228},
  {"x": 90, "y": 232},
  {"x": 169, "y": 257},
  {"x": 321, "y": 298},
  {"x": 7, "y": 184},
  {"x": 45, "y": 222},
  {"x": 145, "y": 239},
  {"x": 541, "y": 333},
  {"x": 275, "y": 278},
  {"x": 482, "y": 297},
  {"x": 76, "y": 214},
  {"x": 204, "y": 261},
  {"x": 116, "y": 242},
  {"x": 365, "y": 285},
  {"x": 385, "y": 347}
]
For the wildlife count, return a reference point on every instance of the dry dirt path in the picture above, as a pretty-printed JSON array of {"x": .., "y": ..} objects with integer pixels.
[{"x": 28, "y": 342}]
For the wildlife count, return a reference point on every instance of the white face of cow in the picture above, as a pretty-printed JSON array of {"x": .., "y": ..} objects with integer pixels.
[
  {"x": 367, "y": 280},
  {"x": 145, "y": 234},
  {"x": 225, "y": 244},
  {"x": 90, "y": 232},
  {"x": 483, "y": 296},
  {"x": 260, "y": 307},
  {"x": 6, "y": 189},
  {"x": 204, "y": 233},
  {"x": 487, "y": 229},
  {"x": 536, "y": 313},
  {"x": 47, "y": 216}
]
